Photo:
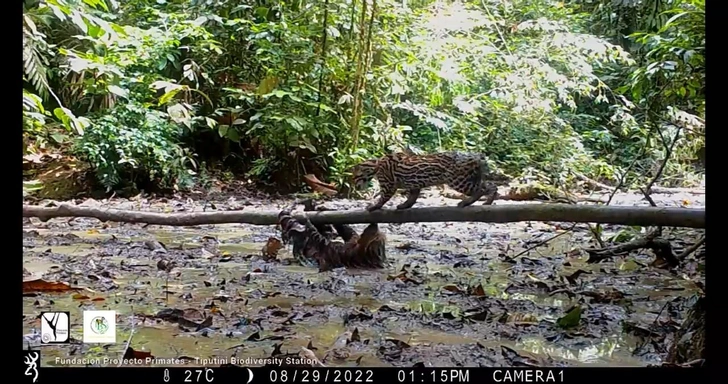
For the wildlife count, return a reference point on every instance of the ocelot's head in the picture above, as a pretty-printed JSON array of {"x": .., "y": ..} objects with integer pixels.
[{"x": 363, "y": 173}]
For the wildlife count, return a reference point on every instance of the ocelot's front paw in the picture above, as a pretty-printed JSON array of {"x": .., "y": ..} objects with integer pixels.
[{"x": 463, "y": 204}]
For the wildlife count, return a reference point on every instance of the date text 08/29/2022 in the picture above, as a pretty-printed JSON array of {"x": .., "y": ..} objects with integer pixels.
[{"x": 414, "y": 376}]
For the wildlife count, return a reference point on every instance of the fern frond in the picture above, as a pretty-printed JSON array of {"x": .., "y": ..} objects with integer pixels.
[{"x": 33, "y": 65}]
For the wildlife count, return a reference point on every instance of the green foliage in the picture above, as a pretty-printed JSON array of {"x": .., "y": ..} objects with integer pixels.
[
  {"x": 130, "y": 140},
  {"x": 546, "y": 88},
  {"x": 31, "y": 186}
]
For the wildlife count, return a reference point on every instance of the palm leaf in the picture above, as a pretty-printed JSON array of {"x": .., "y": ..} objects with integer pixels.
[{"x": 33, "y": 63}]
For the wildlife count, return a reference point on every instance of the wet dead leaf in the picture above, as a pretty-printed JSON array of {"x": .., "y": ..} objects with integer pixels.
[
  {"x": 205, "y": 324},
  {"x": 309, "y": 355},
  {"x": 166, "y": 265},
  {"x": 133, "y": 354},
  {"x": 354, "y": 336},
  {"x": 629, "y": 266},
  {"x": 518, "y": 359},
  {"x": 338, "y": 354},
  {"x": 477, "y": 291},
  {"x": 271, "y": 248},
  {"x": 606, "y": 297},
  {"x": 209, "y": 238},
  {"x": 405, "y": 246},
  {"x": 452, "y": 288},
  {"x": 403, "y": 277},
  {"x": 477, "y": 315},
  {"x": 206, "y": 254},
  {"x": 78, "y": 296},
  {"x": 449, "y": 315},
  {"x": 399, "y": 276},
  {"x": 571, "y": 319},
  {"x": 398, "y": 343},
  {"x": 533, "y": 278},
  {"x": 572, "y": 279},
  {"x": 155, "y": 246},
  {"x": 256, "y": 337},
  {"x": 193, "y": 314},
  {"x": 40, "y": 285},
  {"x": 576, "y": 252},
  {"x": 565, "y": 291},
  {"x": 519, "y": 319},
  {"x": 636, "y": 329},
  {"x": 360, "y": 314},
  {"x": 541, "y": 285}
]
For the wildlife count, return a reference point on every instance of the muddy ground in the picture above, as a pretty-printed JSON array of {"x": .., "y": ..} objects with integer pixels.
[{"x": 452, "y": 295}]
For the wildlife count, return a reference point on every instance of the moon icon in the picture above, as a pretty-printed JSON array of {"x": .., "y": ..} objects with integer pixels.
[{"x": 250, "y": 375}]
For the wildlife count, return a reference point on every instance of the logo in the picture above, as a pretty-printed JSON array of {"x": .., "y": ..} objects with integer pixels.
[
  {"x": 99, "y": 326},
  {"x": 30, "y": 359},
  {"x": 54, "y": 327}
]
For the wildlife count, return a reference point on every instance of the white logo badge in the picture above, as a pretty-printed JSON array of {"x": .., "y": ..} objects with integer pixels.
[
  {"x": 99, "y": 327},
  {"x": 31, "y": 360},
  {"x": 54, "y": 327}
]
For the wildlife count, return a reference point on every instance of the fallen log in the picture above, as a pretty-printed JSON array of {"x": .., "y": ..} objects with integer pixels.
[
  {"x": 638, "y": 216},
  {"x": 669, "y": 191},
  {"x": 660, "y": 247}
]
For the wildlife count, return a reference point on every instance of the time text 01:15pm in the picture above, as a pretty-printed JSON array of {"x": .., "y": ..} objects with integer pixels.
[{"x": 497, "y": 375}]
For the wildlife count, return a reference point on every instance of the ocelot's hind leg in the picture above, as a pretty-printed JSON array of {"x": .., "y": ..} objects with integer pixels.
[
  {"x": 490, "y": 190},
  {"x": 412, "y": 196},
  {"x": 470, "y": 190},
  {"x": 467, "y": 201},
  {"x": 474, "y": 191}
]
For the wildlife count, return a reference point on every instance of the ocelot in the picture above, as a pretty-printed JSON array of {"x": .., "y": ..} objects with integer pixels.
[
  {"x": 467, "y": 173},
  {"x": 313, "y": 246}
]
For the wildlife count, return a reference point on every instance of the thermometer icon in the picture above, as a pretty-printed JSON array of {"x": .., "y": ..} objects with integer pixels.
[{"x": 166, "y": 375}]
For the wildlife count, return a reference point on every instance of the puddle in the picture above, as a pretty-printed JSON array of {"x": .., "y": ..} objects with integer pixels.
[
  {"x": 296, "y": 305},
  {"x": 79, "y": 249},
  {"x": 613, "y": 351},
  {"x": 244, "y": 248}
]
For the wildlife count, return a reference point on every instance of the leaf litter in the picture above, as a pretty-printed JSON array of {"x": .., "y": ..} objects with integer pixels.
[{"x": 453, "y": 295}]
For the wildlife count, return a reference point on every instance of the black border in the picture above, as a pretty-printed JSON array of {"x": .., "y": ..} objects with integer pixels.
[
  {"x": 713, "y": 322},
  {"x": 365, "y": 375}
]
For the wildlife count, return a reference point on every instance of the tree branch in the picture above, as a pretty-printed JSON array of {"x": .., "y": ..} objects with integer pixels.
[{"x": 638, "y": 216}]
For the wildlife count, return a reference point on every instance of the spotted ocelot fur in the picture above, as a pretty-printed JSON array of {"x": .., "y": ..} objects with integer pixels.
[
  {"x": 313, "y": 245},
  {"x": 467, "y": 173}
]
